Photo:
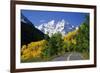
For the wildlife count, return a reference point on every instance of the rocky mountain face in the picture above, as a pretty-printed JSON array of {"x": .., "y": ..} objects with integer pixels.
[{"x": 51, "y": 27}]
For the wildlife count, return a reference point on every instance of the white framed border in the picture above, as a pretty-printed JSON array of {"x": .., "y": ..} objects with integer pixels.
[{"x": 20, "y": 65}]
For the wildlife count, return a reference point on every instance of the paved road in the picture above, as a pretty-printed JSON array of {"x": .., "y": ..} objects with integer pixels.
[
  {"x": 69, "y": 56},
  {"x": 75, "y": 56},
  {"x": 61, "y": 58}
]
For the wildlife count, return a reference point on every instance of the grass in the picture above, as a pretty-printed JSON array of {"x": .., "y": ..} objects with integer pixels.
[
  {"x": 85, "y": 55},
  {"x": 36, "y": 59}
]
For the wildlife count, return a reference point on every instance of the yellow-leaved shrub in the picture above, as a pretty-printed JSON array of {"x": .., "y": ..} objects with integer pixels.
[
  {"x": 70, "y": 36},
  {"x": 32, "y": 50}
]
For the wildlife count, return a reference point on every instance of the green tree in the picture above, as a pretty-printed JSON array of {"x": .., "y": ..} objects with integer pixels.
[
  {"x": 54, "y": 46},
  {"x": 46, "y": 52},
  {"x": 83, "y": 37}
]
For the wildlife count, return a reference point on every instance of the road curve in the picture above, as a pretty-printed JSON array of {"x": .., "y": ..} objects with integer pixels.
[
  {"x": 75, "y": 56},
  {"x": 68, "y": 57}
]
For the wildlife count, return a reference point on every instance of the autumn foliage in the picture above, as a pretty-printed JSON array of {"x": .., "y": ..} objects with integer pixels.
[
  {"x": 74, "y": 41},
  {"x": 32, "y": 50}
]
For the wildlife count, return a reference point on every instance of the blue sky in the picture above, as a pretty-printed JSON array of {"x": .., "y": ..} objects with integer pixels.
[{"x": 39, "y": 17}]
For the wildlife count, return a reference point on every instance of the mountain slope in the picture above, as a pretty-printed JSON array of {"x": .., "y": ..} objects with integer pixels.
[{"x": 29, "y": 33}]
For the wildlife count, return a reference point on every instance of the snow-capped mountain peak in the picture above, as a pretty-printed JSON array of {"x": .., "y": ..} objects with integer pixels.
[
  {"x": 51, "y": 23},
  {"x": 51, "y": 27},
  {"x": 60, "y": 24}
]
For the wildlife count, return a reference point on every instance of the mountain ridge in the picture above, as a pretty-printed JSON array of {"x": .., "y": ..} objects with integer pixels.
[
  {"x": 29, "y": 33},
  {"x": 51, "y": 27}
]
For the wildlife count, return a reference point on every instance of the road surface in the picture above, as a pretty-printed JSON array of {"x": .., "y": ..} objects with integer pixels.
[{"x": 69, "y": 56}]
